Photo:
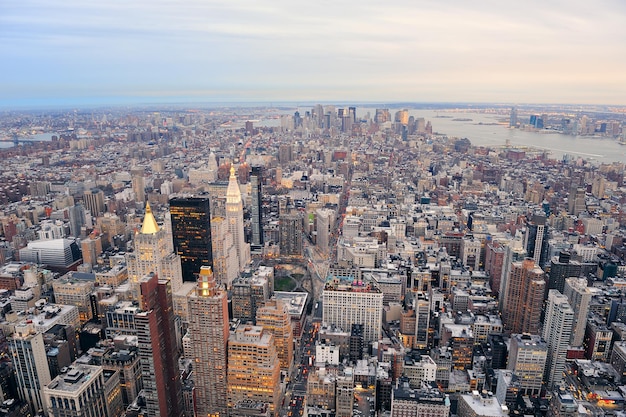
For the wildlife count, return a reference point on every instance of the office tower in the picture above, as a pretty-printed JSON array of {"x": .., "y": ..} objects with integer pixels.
[
  {"x": 94, "y": 201},
  {"x": 557, "y": 330},
  {"x": 84, "y": 390},
  {"x": 225, "y": 260},
  {"x": 153, "y": 252},
  {"x": 75, "y": 292},
  {"x": 498, "y": 350},
  {"x": 536, "y": 239},
  {"x": 28, "y": 354},
  {"x": 274, "y": 317},
  {"x": 562, "y": 267},
  {"x": 527, "y": 360},
  {"x": 425, "y": 401},
  {"x": 139, "y": 183},
  {"x": 158, "y": 350},
  {"x": 253, "y": 367},
  {"x": 597, "y": 341},
  {"x": 513, "y": 252},
  {"x": 524, "y": 298},
  {"x": 513, "y": 117},
  {"x": 191, "y": 234},
  {"x": 208, "y": 330},
  {"x": 422, "y": 320},
  {"x": 576, "y": 201},
  {"x": 285, "y": 153},
  {"x": 256, "y": 211},
  {"x": 325, "y": 220},
  {"x": 290, "y": 229},
  {"x": 125, "y": 360},
  {"x": 347, "y": 302},
  {"x": 494, "y": 263},
  {"x": 91, "y": 248},
  {"x": 355, "y": 343},
  {"x": 234, "y": 217},
  {"x": 579, "y": 297}
]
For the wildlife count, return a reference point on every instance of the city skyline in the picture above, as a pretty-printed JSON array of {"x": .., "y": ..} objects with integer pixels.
[{"x": 71, "y": 53}]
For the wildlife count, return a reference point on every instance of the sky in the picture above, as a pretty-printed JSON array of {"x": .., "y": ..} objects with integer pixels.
[{"x": 60, "y": 52}]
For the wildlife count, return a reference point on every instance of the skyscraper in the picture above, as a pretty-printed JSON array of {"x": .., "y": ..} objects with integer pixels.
[
  {"x": 253, "y": 367},
  {"x": 579, "y": 297},
  {"x": 422, "y": 320},
  {"x": 153, "y": 252},
  {"x": 535, "y": 238},
  {"x": 256, "y": 210},
  {"x": 274, "y": 317},
  {"x": 513, "y": 118},
  {"x": 557, "y": 330},
  {"x": 139, "y": 183},
  {"x": 28, "y": 354},
  {"x": 158, "y": 351},
  {"x": 524, "y": 298},
  {"x": 191, "y": 234},
  {"x": 208, "y": 328},
  {"x": 94, "y": 201},
  {"x": 527, "y": 360},
  {"x": 234, "y": 216},
  {"x": 290, "y": 228}
]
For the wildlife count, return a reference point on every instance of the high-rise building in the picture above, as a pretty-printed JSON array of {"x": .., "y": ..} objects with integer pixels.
[
  {"x": 598, "y": 338},
  {"x": 274, "y": 317},
  {"x": 527, "y": 360},
  {"x": 158, "y": 350},
  {"x": 579, "y": 297},
  {"x": 422, "y": 320},
  {"x": 513, "y": 252},
  {"x": 28, "y": 354},
  {"x": 562, "y": 267},
  {"x": 153, "y": 252},
  {"x": 191, "y": 234},
  {"x": 139, "y": 183},
  {"x": 208, "y": 330},
  {"x": 536, "y": 239},
  {"x": 225, "y": 259},
  {"x": 234, "y": 217},
  {"x": 347, "y": 302},
  {"x": 253, "y": 367},
  {"x": 94, "y": 201},
  {"x": 576, "y": 201},
  {"x": 290, "y": 228},
  {"x": 513, "y": 117},
  {"x": 524, "y": 298},
  {"x": 557, "y": 330},
  {"x": 256, "y": 211}
]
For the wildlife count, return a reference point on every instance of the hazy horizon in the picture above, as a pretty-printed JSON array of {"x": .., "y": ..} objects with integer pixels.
[{"x": 68, "y": 53}]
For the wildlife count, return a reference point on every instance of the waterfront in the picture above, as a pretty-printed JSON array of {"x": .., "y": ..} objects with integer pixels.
[{"x": 487, "y": 130}]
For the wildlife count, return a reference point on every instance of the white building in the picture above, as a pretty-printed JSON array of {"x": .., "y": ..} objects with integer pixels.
[
  {"x": 234, "y": 217},
  {"x": 345, "y": 303},
  {"x": 557, "y": 330}
]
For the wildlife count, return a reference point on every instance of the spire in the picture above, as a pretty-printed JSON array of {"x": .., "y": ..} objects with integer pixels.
[
  {"x": 150, "y": 225},
  {"x": 233, "y": 193}
]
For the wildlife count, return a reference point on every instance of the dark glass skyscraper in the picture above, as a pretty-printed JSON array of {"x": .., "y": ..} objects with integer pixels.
[
  {"x": 256, "y": 210},
  {"x": 191, "y": 234}
]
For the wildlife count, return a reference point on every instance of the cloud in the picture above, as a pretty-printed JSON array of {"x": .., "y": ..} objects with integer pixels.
[{"x": 424, "y": 50}]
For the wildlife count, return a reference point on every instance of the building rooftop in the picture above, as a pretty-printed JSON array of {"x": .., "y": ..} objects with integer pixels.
[{"x": 74, "y": 379}]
